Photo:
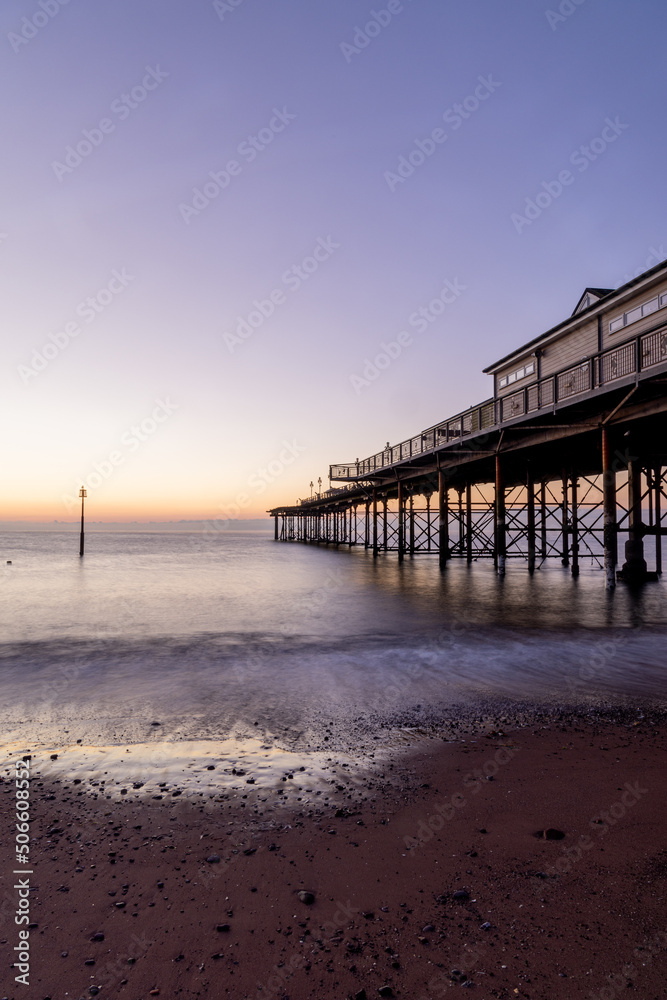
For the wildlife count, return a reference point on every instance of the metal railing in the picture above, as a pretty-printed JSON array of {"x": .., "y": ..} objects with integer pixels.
[
  {"x": 596, "y": 372},
  {"x": 334, "y": 492}
]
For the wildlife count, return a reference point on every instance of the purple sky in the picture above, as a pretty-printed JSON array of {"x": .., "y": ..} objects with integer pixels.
[{"x": 153, "y": 393}]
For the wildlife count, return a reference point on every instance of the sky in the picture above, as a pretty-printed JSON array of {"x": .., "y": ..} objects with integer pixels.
[{"x": 216, "y": 216}]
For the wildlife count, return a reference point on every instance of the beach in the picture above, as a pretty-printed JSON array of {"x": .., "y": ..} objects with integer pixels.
[{"x": 421, "y": 874}]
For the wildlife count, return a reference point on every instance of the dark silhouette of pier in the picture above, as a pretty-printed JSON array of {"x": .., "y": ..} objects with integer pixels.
[{"x": 565, "y": 460}]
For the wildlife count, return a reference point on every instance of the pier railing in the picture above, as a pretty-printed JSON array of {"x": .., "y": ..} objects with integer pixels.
[
  {"x": 334, "y": 492},
  {"x": 599, "y": 371}
]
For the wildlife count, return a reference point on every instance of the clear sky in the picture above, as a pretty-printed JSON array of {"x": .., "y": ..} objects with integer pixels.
[{"x": 205, "y": 233}]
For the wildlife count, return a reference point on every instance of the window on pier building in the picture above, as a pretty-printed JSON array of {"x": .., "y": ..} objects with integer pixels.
[
  {"x": 638, "y": 312},
  {"x": 516, "y": 376}
]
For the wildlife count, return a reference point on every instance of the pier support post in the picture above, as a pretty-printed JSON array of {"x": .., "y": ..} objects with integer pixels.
[
  {"x": 530, "y": 519},
  {"x": 468, "y": 523},
  {"x": 428, "y": 522},
  {"x": 412, "y": 525},
  {"x": 375, "y": 524},
  {"x": 385, "y": 525},
  {"x": 610, "y": 537},
  {"x": 543, "y": 520},
  {"x": 634, "y": 567},
  {"x": 575, "y": 527},
  {"x": 367, "y": 524},
  {"x": 565, "y": 539},
  {"x": 657, "y": 479},
  {"x": 401, "y": 521},
  {"x": 500, "y": 522},
  {"x": 275, "y": 530},
  {"x": 443, "y": 521}
]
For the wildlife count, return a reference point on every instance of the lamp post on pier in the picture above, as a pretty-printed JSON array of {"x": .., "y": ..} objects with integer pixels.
[
  {"x": 83, "y": 494},
  {"x": 311, "y": 488},
  {"x": 319, "y": 483}
]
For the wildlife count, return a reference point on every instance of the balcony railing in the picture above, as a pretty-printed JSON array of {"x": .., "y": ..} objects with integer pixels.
[{"x": 597, "y": 372}]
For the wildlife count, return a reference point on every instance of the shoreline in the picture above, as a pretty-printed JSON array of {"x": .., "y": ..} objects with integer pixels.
[{"x": 383, "y": 866}]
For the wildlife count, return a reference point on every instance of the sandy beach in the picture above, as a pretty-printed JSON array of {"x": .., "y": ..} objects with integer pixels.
[{"x": 418, "y": 875}]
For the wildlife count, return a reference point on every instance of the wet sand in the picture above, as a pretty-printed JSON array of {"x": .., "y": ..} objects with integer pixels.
[{"x": 193, "y": 880}]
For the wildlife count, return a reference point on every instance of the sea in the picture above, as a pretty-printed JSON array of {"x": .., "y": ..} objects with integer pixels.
[
  {"x": 214, "y": 632},
  {"x": 201, "y": 650}
]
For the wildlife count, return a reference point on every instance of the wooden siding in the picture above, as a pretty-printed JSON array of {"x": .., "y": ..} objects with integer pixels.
[
  {"x": 567, "y": 350},
  {"x": 570, "y": 348}
]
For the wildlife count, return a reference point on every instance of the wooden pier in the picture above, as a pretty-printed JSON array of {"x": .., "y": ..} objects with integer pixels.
[{"x": 565, "y": 461}]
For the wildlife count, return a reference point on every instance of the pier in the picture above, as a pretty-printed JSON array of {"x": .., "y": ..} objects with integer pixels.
[{"x": 567, "y": 460}]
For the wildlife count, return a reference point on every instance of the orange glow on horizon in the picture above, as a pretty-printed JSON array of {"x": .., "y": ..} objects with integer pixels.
[{"x": 41, "y": 513}]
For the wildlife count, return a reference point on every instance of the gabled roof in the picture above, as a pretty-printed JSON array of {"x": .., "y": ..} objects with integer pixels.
[
  {"x": 560, "y": 328},
  {"x": 589, "y": 297}
]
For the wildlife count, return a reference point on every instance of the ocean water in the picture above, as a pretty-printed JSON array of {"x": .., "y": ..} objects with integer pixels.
[{"x": 233, "y": 634}]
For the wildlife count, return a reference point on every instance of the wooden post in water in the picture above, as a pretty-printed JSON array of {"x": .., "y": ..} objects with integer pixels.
[
  {"x": 83, "y": 494},
  {"x": 375, "y": 524}
]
